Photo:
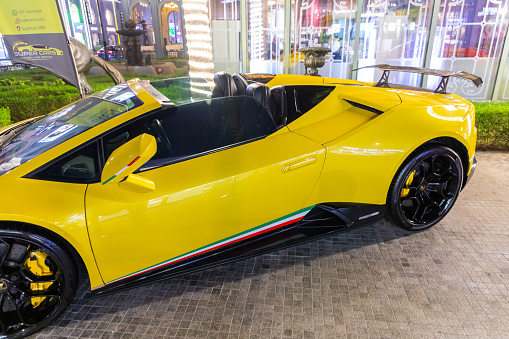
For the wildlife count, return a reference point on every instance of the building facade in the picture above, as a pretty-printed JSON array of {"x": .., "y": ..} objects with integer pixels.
[{"x": 264, "y": 36}]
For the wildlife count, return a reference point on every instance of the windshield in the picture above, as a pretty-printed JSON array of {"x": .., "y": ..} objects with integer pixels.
[
  {"x": 62, "y": 125},
  {"x": 183, "y": 90}
]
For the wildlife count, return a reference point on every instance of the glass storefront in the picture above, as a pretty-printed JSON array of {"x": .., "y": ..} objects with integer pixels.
[
  {"x": 470, "y": 36},
  {"x": 171, "y": 24},
  {"x": 4, "y": 56},
  {"x": 266, "y": 33},
  {"x": 324, "y": 23},
  {"x": 225, "y": 24},
  {"x": 142, "y": 15},
  {"x": 394, "y": 32},
  {"x": 467, "y": 35}
]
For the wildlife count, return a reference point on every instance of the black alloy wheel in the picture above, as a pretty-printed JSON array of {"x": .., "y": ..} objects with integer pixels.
[
  {"x": 425, "y": 188},
  {"x": 38, "y": 280}
]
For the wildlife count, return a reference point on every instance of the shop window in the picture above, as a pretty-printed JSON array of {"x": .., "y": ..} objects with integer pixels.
[{"x": 109, "y": 18}]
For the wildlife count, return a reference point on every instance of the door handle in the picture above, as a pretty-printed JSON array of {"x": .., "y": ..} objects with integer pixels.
[{"x": 299, "y": 164}]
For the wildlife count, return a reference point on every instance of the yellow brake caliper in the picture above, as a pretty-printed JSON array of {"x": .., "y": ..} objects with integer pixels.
[
  {"x": 36, "y": 264},
  {"x": 405, "y": 190}
]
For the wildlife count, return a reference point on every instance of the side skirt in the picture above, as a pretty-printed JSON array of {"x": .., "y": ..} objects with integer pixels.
[{"x": 320, "y": 221}]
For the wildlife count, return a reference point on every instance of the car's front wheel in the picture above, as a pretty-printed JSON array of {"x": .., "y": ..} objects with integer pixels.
[
  {"x": 425, "y": 188},
  {"x": 38, "y": 280}
]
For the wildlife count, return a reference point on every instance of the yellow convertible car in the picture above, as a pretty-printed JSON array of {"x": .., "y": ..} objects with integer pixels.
[{"x": 148, "y": 180}]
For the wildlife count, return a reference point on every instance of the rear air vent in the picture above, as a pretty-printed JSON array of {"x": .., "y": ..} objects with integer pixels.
[{"x": 367, "y": 108}]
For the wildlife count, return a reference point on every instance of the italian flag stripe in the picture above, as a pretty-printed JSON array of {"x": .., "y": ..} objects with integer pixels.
[
  {"x": 123, "y": 169},
  {"x": 272, "y": 225}
]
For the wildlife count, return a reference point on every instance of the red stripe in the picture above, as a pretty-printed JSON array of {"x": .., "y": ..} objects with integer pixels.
[
  {"x": 132, "y": 162},
  {"x": 213, "y": 248}
]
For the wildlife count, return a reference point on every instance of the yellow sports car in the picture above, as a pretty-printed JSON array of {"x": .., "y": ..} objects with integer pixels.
[
  {"x": 42, "y": 49},
  {"x": 148, "y": 180}
]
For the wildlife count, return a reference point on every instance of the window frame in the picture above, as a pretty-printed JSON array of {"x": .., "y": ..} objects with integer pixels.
[
  {"x": 101, "y": 156},
  {"x": 38, "y": 172}
]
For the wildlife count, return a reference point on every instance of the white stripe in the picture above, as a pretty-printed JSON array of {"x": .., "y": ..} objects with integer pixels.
[{"x": 123, "y": 169}]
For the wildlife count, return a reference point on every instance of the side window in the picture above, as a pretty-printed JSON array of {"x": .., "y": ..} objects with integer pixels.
[
  {"x": 192, "y": 129},
  {"x": 211, "y": 124},
  {"x": 81, "y": 166},
  {"x": 301, "y": 99}
]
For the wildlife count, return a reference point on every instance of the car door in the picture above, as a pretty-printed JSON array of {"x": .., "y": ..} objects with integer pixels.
[{"x": 217, "y": 181}]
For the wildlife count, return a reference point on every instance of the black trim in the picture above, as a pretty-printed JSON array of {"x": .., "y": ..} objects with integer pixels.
[
  {"x": 36, "y": 174},
  {"x": 472, "y": 170},
  {"x": 170, "y": 161},
  {"x": 442, "y": 87},
  {"x": 322, "y": 220},
  {"x": 364, "y": 107}
]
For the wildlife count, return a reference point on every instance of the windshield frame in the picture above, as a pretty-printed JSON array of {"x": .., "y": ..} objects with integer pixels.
[{"x": 34, "y": 133}]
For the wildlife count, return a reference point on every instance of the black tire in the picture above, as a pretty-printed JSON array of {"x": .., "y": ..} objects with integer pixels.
[
  {"x": 27, "y": 305},
  {"x": 425, "y": 188}
]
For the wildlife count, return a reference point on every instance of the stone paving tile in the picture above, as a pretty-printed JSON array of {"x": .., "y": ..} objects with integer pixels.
[{"x": 451, "y": 281}]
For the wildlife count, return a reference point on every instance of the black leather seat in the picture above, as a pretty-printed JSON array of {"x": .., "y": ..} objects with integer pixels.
[
  {"x": 241, "y": 83},
  {"x": 279, "y": 105},
  {"x": 261, "y": 93},
  {"x": 224, "y": 85}
]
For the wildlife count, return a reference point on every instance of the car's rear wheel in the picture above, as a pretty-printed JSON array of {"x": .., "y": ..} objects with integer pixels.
[
  {"x": 425, "y": 188},
  {"x": 38, "y": 280}
]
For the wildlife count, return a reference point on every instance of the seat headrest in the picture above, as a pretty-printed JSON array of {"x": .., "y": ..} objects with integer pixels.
[
  {"x": 261, "y": 93},
  {"x": 224, "y": 85},
  {"x": 241, "y": 84}
]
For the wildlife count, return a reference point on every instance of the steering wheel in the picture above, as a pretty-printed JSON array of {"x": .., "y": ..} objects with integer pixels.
[{"x": 156, "y": 124}]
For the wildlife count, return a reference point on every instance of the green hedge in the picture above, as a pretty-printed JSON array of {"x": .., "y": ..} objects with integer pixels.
[
  {"x": 492, "y": 122},
  {"x": 27, "y": 99},
  {"x": 5, "y": 116},
  {"x": 35, "y": 92}
]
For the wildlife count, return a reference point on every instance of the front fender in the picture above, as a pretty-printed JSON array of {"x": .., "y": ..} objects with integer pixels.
[{"x": 53, "y": 206}]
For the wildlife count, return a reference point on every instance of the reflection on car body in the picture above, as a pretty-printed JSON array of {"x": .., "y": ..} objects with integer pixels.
[{"x": 156, "y": 179}]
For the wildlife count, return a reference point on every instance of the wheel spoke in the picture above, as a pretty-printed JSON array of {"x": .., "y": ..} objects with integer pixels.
[
  {"x": 436, "y": 187},
  {"x": 2, "y": 325},
  {"x": 419, "y": 208},
  {"x": 6, "y": 248}
]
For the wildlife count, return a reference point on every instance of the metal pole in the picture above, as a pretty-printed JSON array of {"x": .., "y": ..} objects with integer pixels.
[
  {"x": 244, "y": 36},
  {"x": 428, "y": 50},
  {"x": 288, "y": 36},
  {"x": 356, "y": 43},
  {"x": 106, "y": 57}
]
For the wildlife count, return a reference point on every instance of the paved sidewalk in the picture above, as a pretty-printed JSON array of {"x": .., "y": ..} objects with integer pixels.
[{"x": 451, "y": 281}]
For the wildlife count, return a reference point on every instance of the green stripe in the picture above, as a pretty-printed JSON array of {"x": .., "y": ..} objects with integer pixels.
[
  {"x": 110, "y": 179},
  {"x": 219, "y": 241}
]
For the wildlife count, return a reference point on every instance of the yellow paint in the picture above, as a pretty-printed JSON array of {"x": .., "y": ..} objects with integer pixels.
[
  {"x": 136, "y": 151},
  {"x": 31, "y": 16},
  {"x": 405, "y": 191},
  {"x": 205, "y": 199},
  {"x": 36, "y": 264},
  {"x": 40, "y": 287},
  {"x": 36, "y": 301}
]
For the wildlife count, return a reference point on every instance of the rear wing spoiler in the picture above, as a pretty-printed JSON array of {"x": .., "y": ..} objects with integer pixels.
[{"x": 442, "y": 86}]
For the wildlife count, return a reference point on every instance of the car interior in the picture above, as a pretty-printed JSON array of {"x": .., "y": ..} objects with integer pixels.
[
  {"x": 241, "y": 110},
  {"x": 284, "y": 103}
]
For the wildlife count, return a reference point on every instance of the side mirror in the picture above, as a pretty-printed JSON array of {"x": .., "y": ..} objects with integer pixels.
[{"x": 128, "y": 158}]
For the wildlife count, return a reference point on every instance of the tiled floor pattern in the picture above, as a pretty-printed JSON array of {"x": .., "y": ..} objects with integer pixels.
[{"x": 451, "y": 281}]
